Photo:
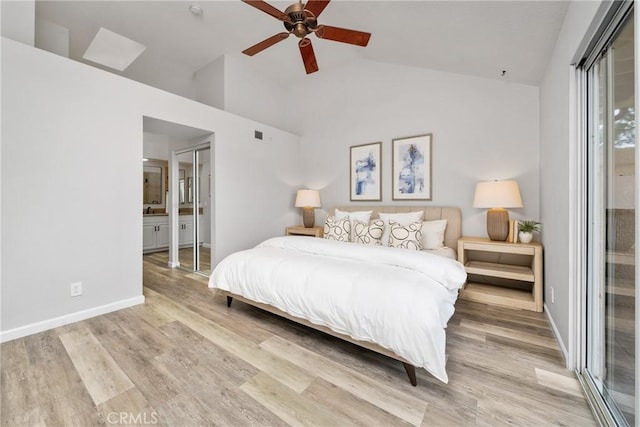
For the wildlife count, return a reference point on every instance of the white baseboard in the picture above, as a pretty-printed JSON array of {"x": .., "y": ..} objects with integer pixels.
[
  {"x": 206, "y": 245},
  {"x": 44, "y": 325},
  {"x": 556, "y": 334}
]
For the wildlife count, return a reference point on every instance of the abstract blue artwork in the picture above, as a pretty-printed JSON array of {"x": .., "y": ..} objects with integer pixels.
[
  {"x": 365, "y": 172},
  {"x": 412, "y": 168}
]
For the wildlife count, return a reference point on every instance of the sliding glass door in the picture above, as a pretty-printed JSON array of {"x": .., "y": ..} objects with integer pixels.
[{"x": 609, "y": 362}]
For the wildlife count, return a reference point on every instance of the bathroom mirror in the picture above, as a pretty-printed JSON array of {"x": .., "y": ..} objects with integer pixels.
[
  {"x": 152, "y": 185},
  {"x": 189, "y": 191},
  {"x": 181, "y": 186}
]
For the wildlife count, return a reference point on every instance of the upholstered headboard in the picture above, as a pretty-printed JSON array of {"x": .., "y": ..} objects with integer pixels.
[{"x": 451, "y": 214}]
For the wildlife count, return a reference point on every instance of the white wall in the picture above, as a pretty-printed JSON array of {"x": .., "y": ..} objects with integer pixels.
[
  {"x": 482, "y": 130},
  {"x": 209, "y": 81},
  {"x": 555, "y": 137},
  {"x": 74, "y": 213},
  {"x": 249, "y": 94},
  {"x": 155, "y": 146},
  {"x": 52, "y": 37},
  {"x": 18, "y": 20}
]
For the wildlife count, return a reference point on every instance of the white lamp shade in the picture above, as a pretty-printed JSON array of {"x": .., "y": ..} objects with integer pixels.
[
  {"x": 308, "y": 199},
  {"x": 497, "y": 194}
]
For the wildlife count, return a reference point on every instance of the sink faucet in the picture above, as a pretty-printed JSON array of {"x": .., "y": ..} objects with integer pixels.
[{"x": 148, "y": 209}]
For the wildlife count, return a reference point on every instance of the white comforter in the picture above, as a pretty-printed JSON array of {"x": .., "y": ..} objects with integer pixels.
[{"x": 397, "y": 298}]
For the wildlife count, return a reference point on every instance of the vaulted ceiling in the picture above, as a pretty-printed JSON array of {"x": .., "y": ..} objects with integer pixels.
[{"x": 479, "y": 38}]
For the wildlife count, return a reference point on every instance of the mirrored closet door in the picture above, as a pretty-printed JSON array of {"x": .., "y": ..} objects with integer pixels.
[{"x": 194, "y": 208}]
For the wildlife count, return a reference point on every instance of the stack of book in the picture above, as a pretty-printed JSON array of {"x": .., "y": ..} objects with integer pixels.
[{"x": 513, "y": 231}]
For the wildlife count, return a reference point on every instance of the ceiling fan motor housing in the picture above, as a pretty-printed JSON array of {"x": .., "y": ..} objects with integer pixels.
[{"x": 301, "y": 22}]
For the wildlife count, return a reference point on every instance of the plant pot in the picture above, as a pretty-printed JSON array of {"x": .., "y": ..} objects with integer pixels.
[{"x": 525, "y": 237}]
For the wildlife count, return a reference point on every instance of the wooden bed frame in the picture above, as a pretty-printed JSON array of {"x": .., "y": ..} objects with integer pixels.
[{"x": 452, "y": 234}]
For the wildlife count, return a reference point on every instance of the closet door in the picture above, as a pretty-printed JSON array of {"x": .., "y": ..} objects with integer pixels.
[{"x": 194, "y": 208}]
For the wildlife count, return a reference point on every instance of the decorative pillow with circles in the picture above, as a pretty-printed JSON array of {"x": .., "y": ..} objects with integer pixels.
[
  {"x": 403, "y": 218},
  {"x": 368, "y": 233},
  {"x": 363, "y": 216},
  {"x": 337, "y": 229},
  {"x": 406, "y": 236}
]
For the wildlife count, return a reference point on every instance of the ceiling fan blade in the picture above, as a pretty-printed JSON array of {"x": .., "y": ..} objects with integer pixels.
[
  {"x": 316, "y": 6},
  {"x": 343, "y": 35},
  {"x": 259, "y": 47},
  {"x": 267, "y": 8},
  {"x": 308, "y": 57}
]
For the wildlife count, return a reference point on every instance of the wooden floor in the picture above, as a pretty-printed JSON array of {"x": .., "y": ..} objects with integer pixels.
[
  {"x": 185, "y": 359},
  {"x": 185, "y": 257}
]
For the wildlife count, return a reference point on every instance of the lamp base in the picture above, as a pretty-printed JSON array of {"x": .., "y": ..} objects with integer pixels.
[
  {"x": 308, "y": 217},
  {"x": 498, "y": 224}
]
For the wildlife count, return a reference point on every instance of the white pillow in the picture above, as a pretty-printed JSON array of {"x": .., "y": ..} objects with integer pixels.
[
  {"x": 367, "y": 233},
  {"x": 337, "y": 229},
  {"x": 406, "y": 237},
  {"x": 362, "y": 216},
  {"x": 433, "y": 234},
  {"x": 401, "y": 218}
]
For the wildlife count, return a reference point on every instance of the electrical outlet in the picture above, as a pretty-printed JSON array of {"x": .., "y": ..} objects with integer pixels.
[
  {"x": 76, "y": 289},
  {"x": 553, "y": 295}
]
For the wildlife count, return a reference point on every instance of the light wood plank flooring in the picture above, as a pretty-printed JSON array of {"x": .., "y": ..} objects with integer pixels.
[{"x": 185, "y": 359}]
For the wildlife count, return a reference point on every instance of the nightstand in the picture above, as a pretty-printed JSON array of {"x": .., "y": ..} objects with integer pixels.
[
  {"x": 300, "y": 230},
  {"x": 502, "y": 273}
]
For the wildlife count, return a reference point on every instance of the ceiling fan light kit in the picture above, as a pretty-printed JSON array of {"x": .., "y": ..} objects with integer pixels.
[{"x": 302, "y": 20}]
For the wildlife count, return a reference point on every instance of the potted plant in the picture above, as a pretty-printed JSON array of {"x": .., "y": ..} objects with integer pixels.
[{"x": 526, "y": 229}]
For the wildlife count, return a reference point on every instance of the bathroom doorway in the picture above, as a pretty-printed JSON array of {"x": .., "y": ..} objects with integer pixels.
[{"x": 177, "y": 224}]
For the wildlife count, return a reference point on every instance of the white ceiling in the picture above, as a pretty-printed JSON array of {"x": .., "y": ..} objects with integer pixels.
[
  {"x": 479, "y": 38},
  {"x": 175, "y": 130}
]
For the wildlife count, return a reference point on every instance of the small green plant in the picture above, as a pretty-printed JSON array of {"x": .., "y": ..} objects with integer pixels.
[{"x": 529, "y": 226}]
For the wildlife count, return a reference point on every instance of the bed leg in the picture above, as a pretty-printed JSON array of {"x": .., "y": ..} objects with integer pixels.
[
  {"x": 411, "y": 372},
  {"x": 229, "y": 299}
]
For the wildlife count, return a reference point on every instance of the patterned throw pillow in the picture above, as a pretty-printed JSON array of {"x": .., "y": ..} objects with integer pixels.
[
  {"x": 368, "y": 233},
  {"x": 403, "y": 218},
  {"x": 337, "y": 229},
  {"x": 406, "y": 237},
  {"x": 363, "y": 216}
]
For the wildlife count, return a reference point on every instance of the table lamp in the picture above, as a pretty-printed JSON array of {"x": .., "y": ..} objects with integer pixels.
[
  {"x": 308, "y": 200},
  {"x": 497, "y": 195}
]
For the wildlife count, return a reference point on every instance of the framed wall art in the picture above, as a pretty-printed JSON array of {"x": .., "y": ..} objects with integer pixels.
[
  {"x": 365, "y": 172},
  {"x": 411, "y": 168}
]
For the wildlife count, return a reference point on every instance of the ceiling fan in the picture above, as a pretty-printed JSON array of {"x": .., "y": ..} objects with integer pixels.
[{"x": 302, "y": 20}]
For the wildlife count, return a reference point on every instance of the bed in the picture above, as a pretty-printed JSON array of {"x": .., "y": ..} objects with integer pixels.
[{"x": 396, "y": 302}]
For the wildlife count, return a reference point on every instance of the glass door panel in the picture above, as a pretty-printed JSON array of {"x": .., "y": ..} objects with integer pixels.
[
  {"x": 202, "y": 199},
  {"x": 185, "y": 210},
  {"x": 611, "y": 258},
  {"x": 194, "y": 202}
]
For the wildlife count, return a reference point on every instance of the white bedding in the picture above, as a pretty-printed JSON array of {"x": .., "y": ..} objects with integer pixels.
[
  {"x": 443, "y": 251},
  {"x": 397, "y": 298}
]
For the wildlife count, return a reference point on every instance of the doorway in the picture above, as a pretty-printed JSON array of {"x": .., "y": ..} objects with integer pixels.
[{"x": 177, "y": 200}]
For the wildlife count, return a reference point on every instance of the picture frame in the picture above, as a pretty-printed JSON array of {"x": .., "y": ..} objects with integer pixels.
[
  {"x": 365, "y": 177},
  {"x": 411, "y": 167}
]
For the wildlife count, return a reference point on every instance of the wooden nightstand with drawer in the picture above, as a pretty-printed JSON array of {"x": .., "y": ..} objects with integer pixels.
[{"x": 300, "y": 230}]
